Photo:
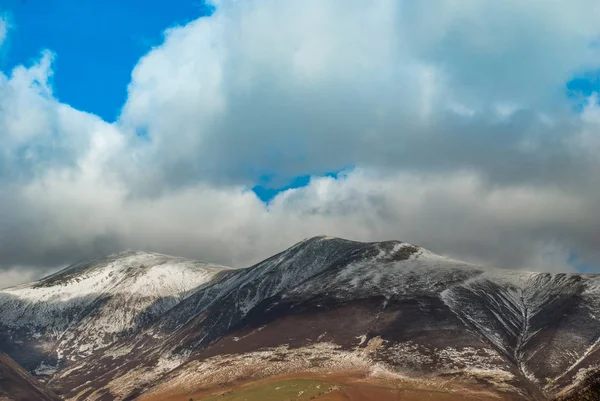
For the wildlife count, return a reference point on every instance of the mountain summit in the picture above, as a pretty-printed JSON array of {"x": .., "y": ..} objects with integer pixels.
[
  {"x": 146, "y": 325},
  {"x": 90, "y": 305}
]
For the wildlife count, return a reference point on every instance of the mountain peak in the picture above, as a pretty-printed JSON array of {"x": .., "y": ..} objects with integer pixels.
[
  {"x": 127, "y": 262},
  {"x": 98, "y": 300},
  {"x": 390, "y": 305},
  {"x": 383, "y": 250}
]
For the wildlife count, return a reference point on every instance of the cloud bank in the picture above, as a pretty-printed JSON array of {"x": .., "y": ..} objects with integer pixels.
[{"x": 453, "y": 114}]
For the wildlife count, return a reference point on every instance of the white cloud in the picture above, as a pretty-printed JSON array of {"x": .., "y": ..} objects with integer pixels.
[
  {"x": 270, "y": 86},
  {"x": 456, "y": 120},
  {"x": 454, "y": 214},
  {"x": 16, "y": 276}
]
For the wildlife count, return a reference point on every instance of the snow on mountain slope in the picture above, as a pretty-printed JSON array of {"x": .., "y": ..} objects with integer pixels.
[
  {"x": 390, "y": 269},
  {"x": 312, "y": 277},
  {"x": 395, "y": 307},
  {"x": 91, "y": 304},
  {"x": 544, "y": 323},
  {"x": 434, "y": 315}
]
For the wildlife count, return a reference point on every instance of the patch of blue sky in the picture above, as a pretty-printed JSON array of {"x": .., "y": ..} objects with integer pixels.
[
  {"x": 96, "y": 43},
  {"x": 580, "y": 88},
  {"x": 267, "y": 193},
  {"x": 580, "y": 265}
]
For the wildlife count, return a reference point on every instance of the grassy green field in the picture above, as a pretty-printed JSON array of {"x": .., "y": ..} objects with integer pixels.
[
  {"x": 293, "y": 389},
  {"x": 330, "y": 389}
]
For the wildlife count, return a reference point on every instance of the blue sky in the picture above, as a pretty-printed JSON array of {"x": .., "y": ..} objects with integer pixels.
[
  {"x": 582, "y": 86},
  {"x": 97, "y": 43},
  {"x": 462, "y": 126}
]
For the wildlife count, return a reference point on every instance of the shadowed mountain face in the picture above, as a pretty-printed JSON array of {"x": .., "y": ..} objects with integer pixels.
[
  {"x": 16, "y": 384},
  {"x": 146, "y": 325}
]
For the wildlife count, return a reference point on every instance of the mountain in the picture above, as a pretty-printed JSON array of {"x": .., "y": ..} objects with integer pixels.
[
  {"x": 387, "y": 315},
  {"x": 90, "y": 305},
  {"x": 16, "y": 384}
]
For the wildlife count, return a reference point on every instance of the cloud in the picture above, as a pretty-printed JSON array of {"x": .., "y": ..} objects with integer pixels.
[
  {"x": 280, "y": 103},
  {"x": 456, "y": 120},
  {"x": 17, "y": 276},
  {"x": 4, "y": 25},
  {"x": 454, "y": 214}
]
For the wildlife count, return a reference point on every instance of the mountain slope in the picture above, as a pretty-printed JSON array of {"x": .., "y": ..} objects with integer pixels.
[
  {"x": 388, "y": 312},
  {"x": 16, "y": 384},
  {"x": 90, "y": 305}
]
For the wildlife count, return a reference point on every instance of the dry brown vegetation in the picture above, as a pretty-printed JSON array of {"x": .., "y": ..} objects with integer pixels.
[
  {"x": 589, "y": 389},
  {"x": 307, "y": 387}
]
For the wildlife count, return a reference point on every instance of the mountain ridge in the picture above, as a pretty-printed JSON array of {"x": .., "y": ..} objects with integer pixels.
[
  {"x": 48, "y": 308},
  {"x": 390, "y": 306}
]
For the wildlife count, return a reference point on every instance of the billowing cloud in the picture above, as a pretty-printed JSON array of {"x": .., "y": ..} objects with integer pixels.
[
  {"x": 278, "y": 86},
  {"x": 454, "y": 116}
]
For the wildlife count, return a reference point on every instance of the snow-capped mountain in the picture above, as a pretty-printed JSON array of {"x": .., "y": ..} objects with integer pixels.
[
  {"x": 143, "y": 325},
  {"x": 90, "y": 305}
]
